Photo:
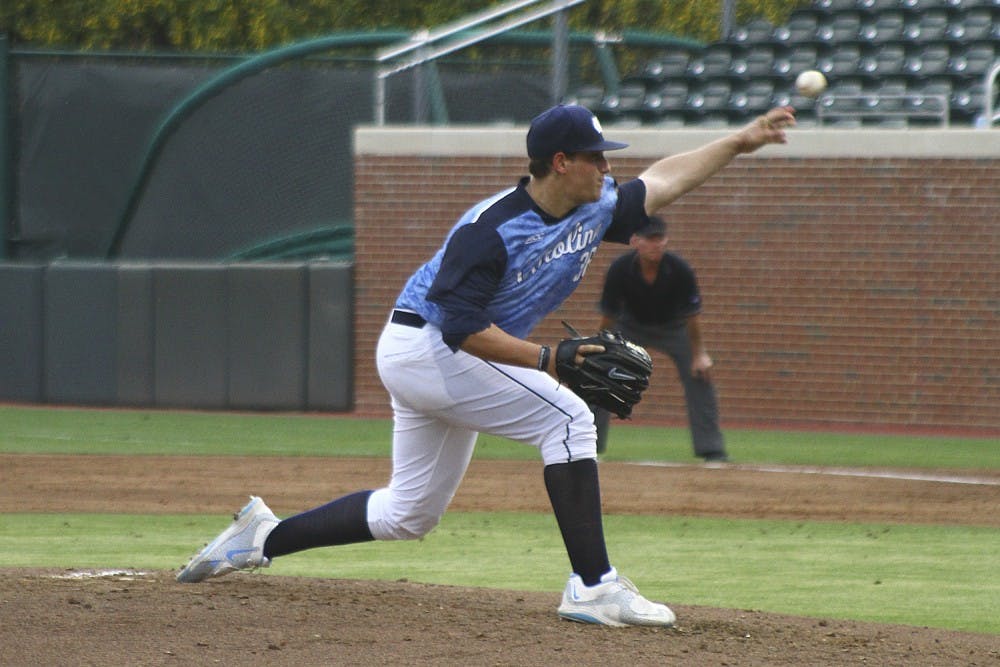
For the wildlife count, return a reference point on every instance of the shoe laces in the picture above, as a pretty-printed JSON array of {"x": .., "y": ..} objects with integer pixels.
[{"x": 627, "y": 584}]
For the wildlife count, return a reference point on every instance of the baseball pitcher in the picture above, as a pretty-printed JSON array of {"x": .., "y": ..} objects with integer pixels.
[{"x": 456, "y": 360}]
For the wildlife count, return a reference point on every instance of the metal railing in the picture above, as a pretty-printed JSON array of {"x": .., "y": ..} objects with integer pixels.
[
  {"x": 425, "y": 46},
  {"x": 990, "y": 115}
]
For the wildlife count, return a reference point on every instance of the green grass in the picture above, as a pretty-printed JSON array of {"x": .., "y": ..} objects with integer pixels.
[
  {"x": 928, "y": 575},
  {"x": 81, "y": 431},
  {"x": 941, "y": 576}
]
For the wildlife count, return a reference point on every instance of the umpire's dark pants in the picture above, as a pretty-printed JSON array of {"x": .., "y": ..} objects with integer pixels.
[{"x": 702, "y": 402}]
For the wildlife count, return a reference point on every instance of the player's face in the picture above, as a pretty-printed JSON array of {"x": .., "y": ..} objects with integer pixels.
[
  {"x": 650, "y": 248},
  {"x": 586, "y": 173}
]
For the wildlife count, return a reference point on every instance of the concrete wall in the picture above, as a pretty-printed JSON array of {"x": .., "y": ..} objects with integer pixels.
[
  {"x": 214, "y": 336},
  {"x": 850, "y": 277}
]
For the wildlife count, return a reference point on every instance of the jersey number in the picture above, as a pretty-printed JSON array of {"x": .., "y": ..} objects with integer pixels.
[{"x": 585, "y": 259}]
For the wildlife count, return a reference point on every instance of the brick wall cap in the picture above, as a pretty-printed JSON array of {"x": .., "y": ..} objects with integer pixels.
[{"x": 508, "y": 141}]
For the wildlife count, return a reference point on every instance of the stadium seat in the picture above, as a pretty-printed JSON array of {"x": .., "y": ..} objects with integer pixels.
[
  {"x": 623, "y": 104},
  {"x": 967, "y": 103},
  {"x": 923, "y": 5},
  {"x": 665, "y": 67},
  {"x": 887, "y": 97},
  {"x": 973, "y": 60},
  {"x": 884, "y": 28},
  {"x": 669, "y": 119},
  {"x": 832, "y": 6},
  {"x": 800, "y": 27},
  {"x": 738, "y": 68},
  {"x": 715, "y": 119},
  {"x": 842, "y": 64},
  {"x": 758, "y": 31},
  {"x": 805, "y": 107},
  {"x": 927, "y": 102},
  {"x": 884, "y": 62},
  {"x": 759, "y": 95},
  {"x": 756, "y": 63},
  {"x": 927, "y": 26},
  {"x": 798, "y": 59},
  {"x": 712, "y": 98},
  {"x": 669, "y": 98},
  {"x": 713, "y": 63},
  {"x": 840, "y": 28},
  {"x": 747, "y": 102},
  {"x": 887, "y": 122},
  {"x": 974, "y": 24},
  {"x": 587, "y": 95},
  {"x": 926, "y": 61},
  {"x": 847, "y": 89},
  {"x": 878, "y": 6},
  {"x": 842, "y": 104},
  {"x": 957, "y": 5}
]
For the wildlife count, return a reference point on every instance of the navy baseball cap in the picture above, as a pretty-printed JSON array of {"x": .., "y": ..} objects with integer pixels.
[
  {"x": 567, "y": 128},
  {"x": 655, "y": 226}
]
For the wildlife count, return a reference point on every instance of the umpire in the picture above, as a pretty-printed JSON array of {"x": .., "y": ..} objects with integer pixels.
[{"x": 652, "y": 297}]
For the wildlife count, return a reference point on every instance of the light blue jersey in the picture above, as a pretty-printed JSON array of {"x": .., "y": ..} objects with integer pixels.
[{"x": 508, "y": 263}]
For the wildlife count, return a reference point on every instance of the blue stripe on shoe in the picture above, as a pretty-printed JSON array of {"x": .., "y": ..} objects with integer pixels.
[{"x": 581, "y": 618}]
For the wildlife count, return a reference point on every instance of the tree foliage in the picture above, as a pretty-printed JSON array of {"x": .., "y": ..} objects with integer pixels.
[{"x": 255, "y": 25}]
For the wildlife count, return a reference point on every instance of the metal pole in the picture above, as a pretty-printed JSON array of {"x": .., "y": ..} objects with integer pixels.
[
  {"x": 421, "y": 42},
  {"x": 989, "y": 117},
  {"x": 560, "y": 56},
  {"x": 420, "y": 92},
  {"x": 728, "y": 15},
  {"x": 379, "y": 97},
  {"x": 6, "y": 221},
  {"x": 606, "y": 59}
]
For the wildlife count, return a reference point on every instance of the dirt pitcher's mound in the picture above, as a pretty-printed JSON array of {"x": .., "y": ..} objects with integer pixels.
[
  {"x": 72, "y": 618},
  {"x": 64, "y": 618}
]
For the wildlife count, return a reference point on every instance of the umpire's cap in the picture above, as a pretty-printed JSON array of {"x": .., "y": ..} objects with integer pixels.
[
  {"x": 567, "y": 128},
  {"x": 655, "y": 226}
]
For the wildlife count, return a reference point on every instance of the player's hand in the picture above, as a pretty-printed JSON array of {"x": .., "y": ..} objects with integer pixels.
[
  {"x": 768, "y": 128},
  {"x": 701, "y": 367},
  {"x": 584, "y": 350},
  {"x": 581, "y": 352}
]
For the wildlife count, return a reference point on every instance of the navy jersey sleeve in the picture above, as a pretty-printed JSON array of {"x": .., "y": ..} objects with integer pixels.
[
  {"x": 471, "y": 269},
  {"x": 630, "y": 212}
]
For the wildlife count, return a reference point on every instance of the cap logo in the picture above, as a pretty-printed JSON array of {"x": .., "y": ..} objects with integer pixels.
[{"x": 567, "y": 128}]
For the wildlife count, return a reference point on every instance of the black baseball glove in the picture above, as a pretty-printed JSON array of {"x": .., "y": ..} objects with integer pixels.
[{"x": 613, "y": 379}]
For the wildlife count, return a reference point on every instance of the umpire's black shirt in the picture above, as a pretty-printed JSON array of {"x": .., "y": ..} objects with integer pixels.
[{"x": 629, "y": 299}]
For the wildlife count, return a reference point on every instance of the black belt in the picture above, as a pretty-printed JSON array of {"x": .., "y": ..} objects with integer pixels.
[{"x": 408, "y": 319}]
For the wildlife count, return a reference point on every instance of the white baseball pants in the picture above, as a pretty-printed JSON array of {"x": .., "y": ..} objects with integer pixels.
[{"x": 441, "y": 401}]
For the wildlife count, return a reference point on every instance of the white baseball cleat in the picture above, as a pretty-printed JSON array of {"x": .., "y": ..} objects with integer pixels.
[
  {"x": 615, "y": 602},
  {"x": 239, "y": 547}
]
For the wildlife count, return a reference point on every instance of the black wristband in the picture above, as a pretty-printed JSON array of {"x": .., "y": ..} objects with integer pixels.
[{"x": 544, "y": 355}]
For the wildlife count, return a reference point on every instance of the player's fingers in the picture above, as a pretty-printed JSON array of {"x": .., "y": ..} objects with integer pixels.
[
  {"x": 779, "y": 117},
  {"x": 772, "y": 125},
  {"x": 584, "y": 350}
]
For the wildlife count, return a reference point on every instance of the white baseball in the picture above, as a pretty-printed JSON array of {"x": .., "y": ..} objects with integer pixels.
[{"x": 810, "y": 83}]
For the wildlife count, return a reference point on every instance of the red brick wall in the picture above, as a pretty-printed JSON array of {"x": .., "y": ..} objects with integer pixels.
[{"x": 837, "y": 291}]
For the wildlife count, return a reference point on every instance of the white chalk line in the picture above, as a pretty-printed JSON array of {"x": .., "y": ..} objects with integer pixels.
[
  {"x": 121, "y": 575},
  {"x": 837, "y": 472}
]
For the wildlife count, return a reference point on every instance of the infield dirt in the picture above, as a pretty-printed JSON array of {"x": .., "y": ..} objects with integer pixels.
[{"x": 53, "y": 618}]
